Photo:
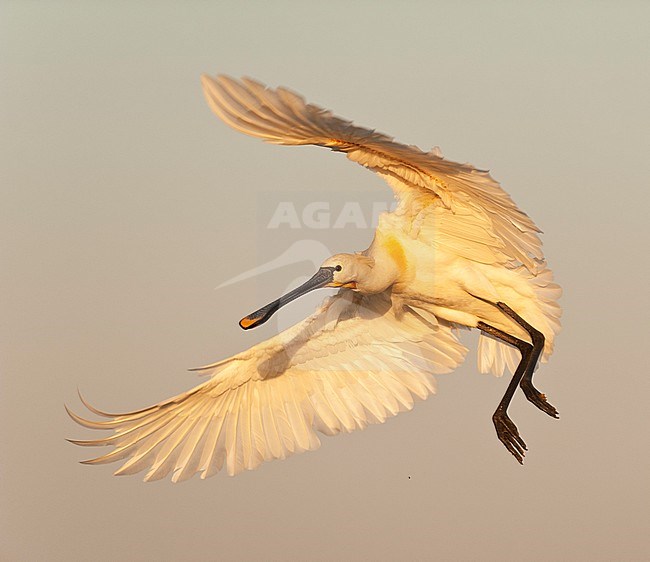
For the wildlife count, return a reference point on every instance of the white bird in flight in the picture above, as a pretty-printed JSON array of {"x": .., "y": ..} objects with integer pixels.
[{"x": 456, "y": 252}]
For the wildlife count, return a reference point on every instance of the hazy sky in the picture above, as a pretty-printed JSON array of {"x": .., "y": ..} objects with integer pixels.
[{"x": 124, "y": 202}]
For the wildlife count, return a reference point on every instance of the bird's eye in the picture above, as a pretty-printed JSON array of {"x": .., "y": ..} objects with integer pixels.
[{"x": 338, "y": 268}]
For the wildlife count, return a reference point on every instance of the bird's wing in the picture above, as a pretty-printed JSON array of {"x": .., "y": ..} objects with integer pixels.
[
  {"x": 357, "y": 360},
  {"x": 469, "y": 211}
]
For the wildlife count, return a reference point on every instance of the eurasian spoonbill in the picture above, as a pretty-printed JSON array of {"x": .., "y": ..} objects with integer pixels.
[{"x": 456, "y": 252}]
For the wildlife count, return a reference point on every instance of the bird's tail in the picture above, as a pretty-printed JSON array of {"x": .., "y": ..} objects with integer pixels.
[{"x": 543, "y": 313}]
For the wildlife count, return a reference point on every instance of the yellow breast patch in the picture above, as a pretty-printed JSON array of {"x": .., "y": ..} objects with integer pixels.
[{"x": 395, "y": 250}]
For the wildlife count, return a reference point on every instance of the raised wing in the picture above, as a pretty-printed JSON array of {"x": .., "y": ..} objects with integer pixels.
[
  {"x": 454, "y": 204},
  {"x": 356, "y": 361}
]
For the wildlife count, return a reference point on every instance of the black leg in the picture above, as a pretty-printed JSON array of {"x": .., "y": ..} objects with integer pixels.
[
  {"x": 507, "y": 431},
  {"x": 533, "y": 395}
]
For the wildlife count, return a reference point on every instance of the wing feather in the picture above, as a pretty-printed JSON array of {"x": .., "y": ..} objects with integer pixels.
[
  {"x": 271, "y": 431},
  {"x": 189, "y": 457},
  {"x": 212, "y": 462}
]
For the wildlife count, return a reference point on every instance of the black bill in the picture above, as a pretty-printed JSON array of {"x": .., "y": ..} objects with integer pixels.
[{"x": 324, "y": 276}]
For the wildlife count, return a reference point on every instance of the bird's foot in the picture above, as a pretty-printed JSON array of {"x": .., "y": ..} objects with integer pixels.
[
  {"x": 508, "y": 434},
  {"x": 538, "y": 398}
]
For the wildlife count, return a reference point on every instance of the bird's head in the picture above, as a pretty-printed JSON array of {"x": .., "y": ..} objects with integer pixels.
[
  {"x": 347, "y": 269},
  {"x": 340, "y": 270}
]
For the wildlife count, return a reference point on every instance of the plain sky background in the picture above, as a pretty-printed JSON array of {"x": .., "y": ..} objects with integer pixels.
[{"x": 124, "y": 202}]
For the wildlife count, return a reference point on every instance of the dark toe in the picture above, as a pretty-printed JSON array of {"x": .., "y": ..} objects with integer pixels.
[{"x": 538, "y": 399}]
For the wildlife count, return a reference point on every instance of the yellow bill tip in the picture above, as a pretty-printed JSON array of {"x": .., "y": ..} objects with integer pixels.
[{"x": 247, "y": 322}]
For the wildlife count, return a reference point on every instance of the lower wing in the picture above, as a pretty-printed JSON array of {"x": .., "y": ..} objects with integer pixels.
[{"x": 357, "y": 360}]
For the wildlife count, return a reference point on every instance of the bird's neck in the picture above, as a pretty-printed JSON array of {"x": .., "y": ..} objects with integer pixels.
[{"x": 389, "y": 262}]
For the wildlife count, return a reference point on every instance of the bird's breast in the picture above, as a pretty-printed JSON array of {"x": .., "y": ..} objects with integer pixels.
[{"x": 396, "y": 251}]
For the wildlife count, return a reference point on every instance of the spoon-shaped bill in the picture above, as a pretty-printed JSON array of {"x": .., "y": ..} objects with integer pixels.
[{"x": 323, "y": 277}]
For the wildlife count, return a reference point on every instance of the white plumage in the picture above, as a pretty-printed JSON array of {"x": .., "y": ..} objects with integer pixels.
[{"x": 454, "y": 250}]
